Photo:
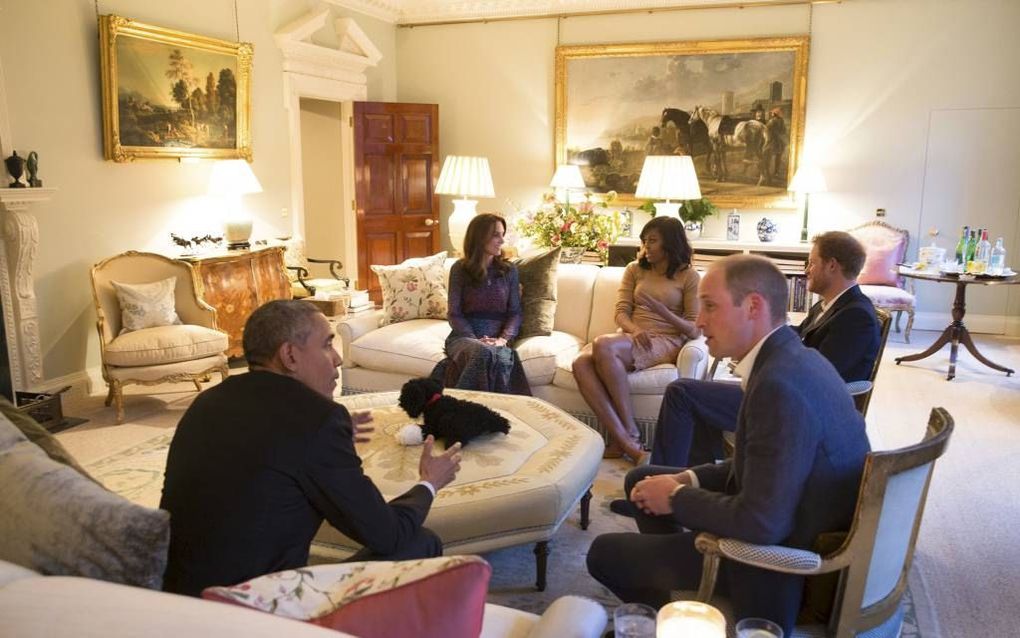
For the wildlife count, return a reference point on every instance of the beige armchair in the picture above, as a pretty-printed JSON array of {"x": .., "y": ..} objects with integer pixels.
[
  {"x": 886, "y": 248},
  {"x": 873, "y": 560},
  {"x": 190, "y": 351}
]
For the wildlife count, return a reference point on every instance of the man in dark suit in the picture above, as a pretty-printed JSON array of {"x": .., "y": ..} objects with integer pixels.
[
  {"x": 260, "y": 460},
  {"x": 842, "y": 327},
  {"x": 799, "y": 455}
]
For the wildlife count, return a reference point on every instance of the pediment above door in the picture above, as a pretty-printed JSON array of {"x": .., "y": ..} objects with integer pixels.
[{"x": 317, "y": 46}]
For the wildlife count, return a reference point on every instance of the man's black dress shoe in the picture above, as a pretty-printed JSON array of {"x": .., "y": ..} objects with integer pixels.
[{"x": 623, "y": 507}]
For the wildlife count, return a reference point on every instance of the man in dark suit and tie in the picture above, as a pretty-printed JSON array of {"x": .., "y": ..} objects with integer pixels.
[
  {"x": 842, "y": 327},
  {"x": 799, "y": 454},
  {"x": 260, "y": 460}
]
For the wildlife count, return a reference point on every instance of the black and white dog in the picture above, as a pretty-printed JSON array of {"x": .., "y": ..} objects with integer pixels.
[{"x": 449, "y": 419}]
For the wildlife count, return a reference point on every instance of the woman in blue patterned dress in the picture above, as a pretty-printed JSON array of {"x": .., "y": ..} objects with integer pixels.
[{"x": 484, "y": 315}]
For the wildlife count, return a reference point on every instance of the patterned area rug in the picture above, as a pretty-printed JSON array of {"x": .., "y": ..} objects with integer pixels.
[{"x": 136, "y": 472}]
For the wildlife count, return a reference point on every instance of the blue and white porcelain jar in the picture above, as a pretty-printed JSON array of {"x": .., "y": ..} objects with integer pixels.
[{"x": 767, "y": 229}]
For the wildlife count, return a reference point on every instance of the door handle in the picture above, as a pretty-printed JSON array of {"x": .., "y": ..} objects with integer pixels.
[{"x": 430, "y": 222}]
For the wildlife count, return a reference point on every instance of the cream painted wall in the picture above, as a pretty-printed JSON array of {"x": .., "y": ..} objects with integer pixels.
[
  {"x": 877, "y": 69},
  {"x": 321, "y": 163},
  {"x": 49, "y": 51}
]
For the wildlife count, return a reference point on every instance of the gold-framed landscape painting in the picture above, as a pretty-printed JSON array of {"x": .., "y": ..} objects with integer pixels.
[
  {"x": 735, "y": 106},
  {"x": 170, "y": 94}
]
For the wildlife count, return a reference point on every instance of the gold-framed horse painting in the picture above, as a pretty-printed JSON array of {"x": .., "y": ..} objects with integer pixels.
[
  {"x": 170, "y": 94},
  {"x": 735, "y": 106}
]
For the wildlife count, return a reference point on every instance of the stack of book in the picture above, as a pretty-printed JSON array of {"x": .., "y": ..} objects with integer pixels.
[{"x": 359, "y": 302}]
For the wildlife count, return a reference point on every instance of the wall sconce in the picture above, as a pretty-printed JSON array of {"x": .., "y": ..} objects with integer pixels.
[
  {"x": 229, "y": 181},
  {"x": 668, "y": 177},
  {"x": 467, "y": 177}
]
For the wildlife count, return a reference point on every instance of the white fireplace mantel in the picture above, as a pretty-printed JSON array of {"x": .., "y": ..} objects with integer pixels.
[{"x": 17, "y": 285}]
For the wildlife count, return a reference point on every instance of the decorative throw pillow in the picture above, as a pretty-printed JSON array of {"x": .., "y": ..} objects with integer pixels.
[
  {"x": 147, "y": 305},
  {"x": 537, "y": 274},
  {"x": 59, "y": 523},
  {"x": 38, "y": 435},
  {"x": 435, "y": 597},
  {"x": 414, "y": 289},
  {"x": 883, "y": 253}
]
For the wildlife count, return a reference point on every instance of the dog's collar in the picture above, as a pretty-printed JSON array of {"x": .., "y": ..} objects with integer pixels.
[{"x": 435, "y": 397}]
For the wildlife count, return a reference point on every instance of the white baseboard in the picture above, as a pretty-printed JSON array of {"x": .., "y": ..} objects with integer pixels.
[
  {"x": 81, "y": 383},
  {"x": 978, "y": 324}
]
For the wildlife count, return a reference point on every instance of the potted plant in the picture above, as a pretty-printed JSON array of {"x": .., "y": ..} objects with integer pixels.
[{"x": 693, "y": 213}]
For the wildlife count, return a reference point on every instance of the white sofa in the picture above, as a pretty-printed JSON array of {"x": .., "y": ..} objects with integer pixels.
[
  {"x": 36, "y": 606},
  {"x": 383, "y": 358}
]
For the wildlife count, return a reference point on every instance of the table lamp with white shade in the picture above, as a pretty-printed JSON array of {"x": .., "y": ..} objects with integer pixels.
[
  {"x": 808, "y": 179},
  {"x": 468, "y": 177},
  {"x": 668, "y": 177},
  {"x": 229, "y": 181},
  {"x": 566, "y": 178}
]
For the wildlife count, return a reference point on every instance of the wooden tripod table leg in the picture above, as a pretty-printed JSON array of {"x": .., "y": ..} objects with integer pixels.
[
  {"x": 949, "y": 335},
  {"x": 969, "y": 344}
]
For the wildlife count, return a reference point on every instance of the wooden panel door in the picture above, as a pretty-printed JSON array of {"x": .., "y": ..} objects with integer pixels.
[{"x": 396, "y": 165}]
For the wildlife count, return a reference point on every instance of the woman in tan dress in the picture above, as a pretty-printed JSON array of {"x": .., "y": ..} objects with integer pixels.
[{"x": 655, "y": 310}]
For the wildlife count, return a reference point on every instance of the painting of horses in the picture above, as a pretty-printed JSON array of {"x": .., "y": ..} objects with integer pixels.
[
  {"x": 735, "y": 106},
  {"x": 170, "y": 94}
]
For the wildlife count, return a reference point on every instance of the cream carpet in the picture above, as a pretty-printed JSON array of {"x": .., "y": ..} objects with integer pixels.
[{"x": 960, "y": 580}]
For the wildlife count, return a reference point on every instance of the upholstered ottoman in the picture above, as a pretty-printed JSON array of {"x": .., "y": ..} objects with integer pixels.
[{"x": 511, "y": 489}]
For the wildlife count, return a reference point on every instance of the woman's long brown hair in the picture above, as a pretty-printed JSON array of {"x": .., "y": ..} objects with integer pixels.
[{"x": 479, "y": 232}]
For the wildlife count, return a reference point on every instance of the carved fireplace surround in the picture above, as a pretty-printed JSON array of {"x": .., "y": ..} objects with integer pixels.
[{"x": 20, "y": 232}]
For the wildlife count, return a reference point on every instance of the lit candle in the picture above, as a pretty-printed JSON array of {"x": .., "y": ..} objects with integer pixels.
[{"x": 689, "y": 619}]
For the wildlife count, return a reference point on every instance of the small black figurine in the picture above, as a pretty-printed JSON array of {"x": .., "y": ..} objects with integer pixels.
[
  {"x": 180, "y": 241},
  {"x": 15, "y": 166},
  {"x": 33, "y": 170}
]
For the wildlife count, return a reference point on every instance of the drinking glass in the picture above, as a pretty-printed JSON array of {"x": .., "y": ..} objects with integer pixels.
[
  {"x": 758, "y": 628},
  {"x": 634, "y": 620}
]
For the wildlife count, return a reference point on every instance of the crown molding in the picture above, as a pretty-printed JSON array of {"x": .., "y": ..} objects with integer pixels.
[
  {"x": 385, "y": 10},
  {"x": 424, "y": 12}
]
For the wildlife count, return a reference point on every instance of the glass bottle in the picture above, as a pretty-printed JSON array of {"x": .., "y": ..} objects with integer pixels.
[
  {"x": 961, "y": 247},
  {"x": 997, "y": 259},
  {"x": 982, "y": 253},
  {"x": 971, "y": 246}
]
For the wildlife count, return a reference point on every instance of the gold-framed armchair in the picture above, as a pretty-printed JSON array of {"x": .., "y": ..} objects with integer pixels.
[
  {"x": 861, "y": 390},
  {"x": 189, "y": 351},
  {"x": 874, "y": 559}
]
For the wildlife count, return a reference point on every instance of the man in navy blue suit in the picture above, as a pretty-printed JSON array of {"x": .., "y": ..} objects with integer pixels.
[
  {"x": 799, "y": 454},
  {"x": 842, "y": 327}
]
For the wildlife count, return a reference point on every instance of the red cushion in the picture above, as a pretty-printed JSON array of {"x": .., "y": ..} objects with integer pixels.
[{"x": 439, "y": 597}]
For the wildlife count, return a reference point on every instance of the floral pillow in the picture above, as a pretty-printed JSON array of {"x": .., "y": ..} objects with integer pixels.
[
  {"x": 435, "y": 597},
  {"x": 147, "y": 305},
  {"x": 414, "y": 289}
]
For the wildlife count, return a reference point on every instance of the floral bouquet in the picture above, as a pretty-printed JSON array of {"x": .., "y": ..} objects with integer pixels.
[{"x": 587, "y": 225}]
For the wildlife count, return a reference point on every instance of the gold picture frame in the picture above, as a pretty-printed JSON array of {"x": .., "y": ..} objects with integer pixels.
[
  {"x": 170, "y": 94},
  {"x": 610, "y": 99}
]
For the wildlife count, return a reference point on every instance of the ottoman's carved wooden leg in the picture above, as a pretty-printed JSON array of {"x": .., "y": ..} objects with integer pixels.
[
  {"x": 586, "y": 509},
  {"x": 541, "y": 554}
]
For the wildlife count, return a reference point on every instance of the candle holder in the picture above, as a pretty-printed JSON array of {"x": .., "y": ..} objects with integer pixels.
[{"x": 689, "y": 619}]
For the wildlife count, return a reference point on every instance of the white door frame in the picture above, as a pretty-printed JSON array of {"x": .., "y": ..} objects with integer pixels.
[{"x": 334, "y": 75}]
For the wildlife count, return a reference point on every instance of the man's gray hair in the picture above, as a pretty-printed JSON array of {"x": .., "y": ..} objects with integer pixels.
[
  {"x": 275, "y": 323},
  {"x": 749, "y": 273}
]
